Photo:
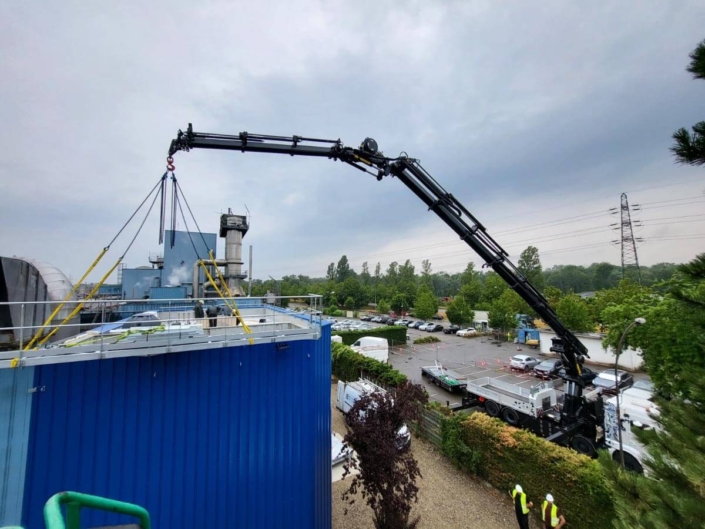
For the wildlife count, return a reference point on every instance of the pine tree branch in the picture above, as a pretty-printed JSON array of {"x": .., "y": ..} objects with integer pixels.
[{"x": 690, "y": 148}]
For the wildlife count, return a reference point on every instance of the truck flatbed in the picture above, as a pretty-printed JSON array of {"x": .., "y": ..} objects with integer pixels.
[
  {"x": 441, "y": 378},
  {"x": 503, "y": 388}
]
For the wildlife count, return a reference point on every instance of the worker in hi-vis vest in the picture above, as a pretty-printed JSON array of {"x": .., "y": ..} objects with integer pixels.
[
  {"x": 521, "y": 507},
  {"x": 551, "y": 514}
]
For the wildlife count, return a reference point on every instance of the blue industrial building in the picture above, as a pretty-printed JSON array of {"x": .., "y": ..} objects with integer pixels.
[
  {"x": 233, "y": 436},
  {"x": 172, "y": 268}
]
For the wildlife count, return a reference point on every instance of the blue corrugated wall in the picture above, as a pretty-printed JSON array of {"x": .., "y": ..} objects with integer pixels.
[
  {"x": 233, "y": 437},
  {"x": 15, "y": 407}
]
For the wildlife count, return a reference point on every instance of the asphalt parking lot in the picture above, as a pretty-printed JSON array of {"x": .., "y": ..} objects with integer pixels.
[{"x": 468, "y": 358}]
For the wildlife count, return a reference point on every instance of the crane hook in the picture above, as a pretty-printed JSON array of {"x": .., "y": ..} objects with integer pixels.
[{"x": 170, "y": 164}]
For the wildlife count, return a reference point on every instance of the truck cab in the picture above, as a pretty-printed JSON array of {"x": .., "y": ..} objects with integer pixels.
[{"x": 636, "y": 407}]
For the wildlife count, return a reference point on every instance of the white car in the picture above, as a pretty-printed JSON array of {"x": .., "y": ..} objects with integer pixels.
[
  {"x": 523, "y": 363},
  {"x": 426, "y": 326},
  {"x": 465, "y": 333}
]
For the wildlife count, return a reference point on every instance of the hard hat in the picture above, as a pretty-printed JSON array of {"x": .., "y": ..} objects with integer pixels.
[
  {"x": 549, "y": 498},
  {"x": 518, "y": 489}
]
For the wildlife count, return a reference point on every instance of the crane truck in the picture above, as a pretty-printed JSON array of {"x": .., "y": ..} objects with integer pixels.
[{"x": 578, "y": 422}]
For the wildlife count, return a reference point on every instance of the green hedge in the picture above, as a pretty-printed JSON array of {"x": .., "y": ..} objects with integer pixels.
[
  {"x": 391, "y": 333},
  {"x": 348, "y": 365},
  {"x": 427, "y": 339},
  {"x": 505, "y": 456}
]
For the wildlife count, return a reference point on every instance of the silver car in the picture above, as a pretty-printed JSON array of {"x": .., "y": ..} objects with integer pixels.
[{"x": 523, "y": 363}]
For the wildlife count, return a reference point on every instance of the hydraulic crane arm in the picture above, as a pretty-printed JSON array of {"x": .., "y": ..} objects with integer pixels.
[{"x": 369, "y": 159}]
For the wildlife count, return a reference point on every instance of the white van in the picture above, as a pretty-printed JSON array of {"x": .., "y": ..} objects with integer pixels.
[
  {"x": 372, "y": 347},
  {"x": 350, "y": 392}
]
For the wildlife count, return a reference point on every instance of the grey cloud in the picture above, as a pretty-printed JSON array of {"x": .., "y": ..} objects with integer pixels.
[{"x": 496, "y": 100}]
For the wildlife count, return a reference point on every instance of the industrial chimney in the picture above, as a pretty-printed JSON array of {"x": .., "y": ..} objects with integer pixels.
[{"x": 233, "y": 228}]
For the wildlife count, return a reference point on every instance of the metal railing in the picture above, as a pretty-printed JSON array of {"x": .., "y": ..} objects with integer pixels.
[
  {"x": 76, "y": 501},
  {"x": 153, "y": 326}
]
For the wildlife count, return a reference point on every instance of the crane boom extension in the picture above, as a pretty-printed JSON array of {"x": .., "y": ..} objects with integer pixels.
[{"x": 369, "y": 159}]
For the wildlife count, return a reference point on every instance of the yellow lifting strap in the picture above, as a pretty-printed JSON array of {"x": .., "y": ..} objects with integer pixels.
[
  {"x": 68, "y": 297},
  {"x": 80, "y": 305},
  {"x": 230, "y": 294},
  {"x": 233, "y": 308}
]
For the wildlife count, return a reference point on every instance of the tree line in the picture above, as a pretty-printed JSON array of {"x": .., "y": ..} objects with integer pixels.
[{"x": 400, "y": 286}]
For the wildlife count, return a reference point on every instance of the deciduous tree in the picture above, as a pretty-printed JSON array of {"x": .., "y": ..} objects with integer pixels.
[
  {"x": 426, "y": 303},
  {"x": 382, "y": 306},
  {"x": 530, "y": 265},
  {"x": 342, "y": 271},
  {"x": 399, "y": 303},
  {"x": 574, "y": 314},
  {"x": 501, "y": 315},
  {"x": 493, "y": 288},
  {"x": 387, "y": 476},
  {"x": 458, "y": 312}
]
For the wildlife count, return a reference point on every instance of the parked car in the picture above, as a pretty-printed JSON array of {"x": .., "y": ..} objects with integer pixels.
[
  {"x": 466, "y": 333},
  {"x": 437, "y": 317},
  {"x": 607, "y": 380},
  {"x": 390, "y": 320},
  {"x": 548, "y": 368},
  {"x": 434, "y": 327},
  {"x": 451, "y": 330},
  {"x": 418, "y": 324},
  {"x": 411, "y": 324},
  {"x": 402, "y": 322},
  {"x": 366, "y": 317},
  {"x": 644, "y": 385},
  {"x": 523, "y": 363}
]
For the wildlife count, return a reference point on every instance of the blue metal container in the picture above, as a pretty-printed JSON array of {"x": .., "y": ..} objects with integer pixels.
[{"x": 227, "y": 437}]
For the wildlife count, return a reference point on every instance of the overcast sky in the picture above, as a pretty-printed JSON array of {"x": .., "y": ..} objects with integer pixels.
[{"x": 536, "y": 115}]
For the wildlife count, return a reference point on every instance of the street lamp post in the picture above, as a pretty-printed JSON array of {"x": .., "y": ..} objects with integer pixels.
[{"x": 637, "y": 321}]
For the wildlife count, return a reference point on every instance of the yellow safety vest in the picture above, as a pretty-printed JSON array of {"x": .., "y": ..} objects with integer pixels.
[
  {"x": 524, "y": 508},
  {"x": 554, "y": 513}
]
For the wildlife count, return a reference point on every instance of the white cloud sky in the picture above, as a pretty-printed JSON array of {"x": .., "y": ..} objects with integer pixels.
[{"x": 527, "y": 113}]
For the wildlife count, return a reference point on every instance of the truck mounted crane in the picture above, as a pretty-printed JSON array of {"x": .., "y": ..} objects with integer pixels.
[{"x": 580, "y": 420}]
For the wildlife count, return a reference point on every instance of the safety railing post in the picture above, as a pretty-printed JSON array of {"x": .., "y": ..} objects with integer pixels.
[
  {"x": 21, "y": 329},
  {"x": 73, "y": 515},
  {"x": 166, "y": 327},
  {"x": 102, "y": 321}
]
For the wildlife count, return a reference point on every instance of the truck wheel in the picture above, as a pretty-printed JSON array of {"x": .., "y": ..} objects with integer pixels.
[
  {"x": 510, "y": 416},
  {"x": 631, "y": 463},
  {"x": 492, "y": 408},
  {"x": 583, "y": 445}
]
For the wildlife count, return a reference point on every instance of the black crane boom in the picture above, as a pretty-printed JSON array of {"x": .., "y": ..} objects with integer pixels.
[{"x": 368, "y": 158}]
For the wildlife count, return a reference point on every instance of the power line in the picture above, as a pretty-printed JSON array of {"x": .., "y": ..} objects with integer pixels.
[
  {"x": 552, "y": 223},
  {"x": 669, "y": 218},
  {"x": 639, "y": 208}
]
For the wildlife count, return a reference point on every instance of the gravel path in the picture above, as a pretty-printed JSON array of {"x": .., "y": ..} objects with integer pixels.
[{"x": 448, "y": 498}]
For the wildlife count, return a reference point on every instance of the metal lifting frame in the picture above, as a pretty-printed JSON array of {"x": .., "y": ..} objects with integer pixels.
[{"x": 369, "y": 159}]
